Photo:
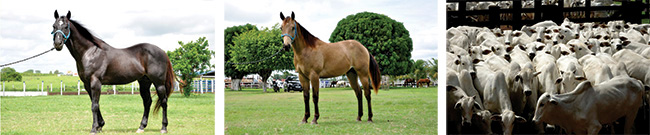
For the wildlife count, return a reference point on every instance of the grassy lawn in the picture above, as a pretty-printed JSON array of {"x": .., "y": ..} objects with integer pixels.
[
  {"x": 122, "y": 113},
  {"x": 397, "y": 111}
]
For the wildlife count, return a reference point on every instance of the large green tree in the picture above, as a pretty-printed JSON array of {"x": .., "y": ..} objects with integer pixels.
[
  {"x": 388, "y": 40},
  {"x": 10, "y": 74},
  {"x": 257, "y": 45},
  {"x": 190, "y": 59},
  {"x": 229, "y": 69}
]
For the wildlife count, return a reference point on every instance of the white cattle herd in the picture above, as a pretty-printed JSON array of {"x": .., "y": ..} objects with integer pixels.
[{"x": 567, "y": 78}]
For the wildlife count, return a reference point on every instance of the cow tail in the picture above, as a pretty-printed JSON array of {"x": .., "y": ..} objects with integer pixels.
[{"x": 375, "y": 75}]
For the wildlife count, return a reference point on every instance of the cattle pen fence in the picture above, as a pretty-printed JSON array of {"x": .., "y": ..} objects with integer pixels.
[{"x": 516, "y": 16}]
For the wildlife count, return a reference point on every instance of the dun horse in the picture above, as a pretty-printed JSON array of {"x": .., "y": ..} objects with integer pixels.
[
  {"x": 100, "y": 64},
  {"x": 315, "y": 59}
]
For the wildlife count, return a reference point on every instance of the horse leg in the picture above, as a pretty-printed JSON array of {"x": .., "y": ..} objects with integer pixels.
[
  {"x": 315, "y": 82},
  {"x": 98, "y": 121},
  {"x": 162, "y": 98},
  {"x": 352, "y": 78},
  {"x": 146, "y": 101},
  {"x": 366, "y": 91},
  {"x": 305, "y": 93}
]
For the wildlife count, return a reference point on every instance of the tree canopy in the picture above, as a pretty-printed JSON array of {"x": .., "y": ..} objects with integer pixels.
[
  {"x": 190, "y": 59},
  {"x": 257, "y": 45},
  {"x": 388, "y": 40},
  {"x": 229, "y": 34},
  {"x": 10, "y": 74}
]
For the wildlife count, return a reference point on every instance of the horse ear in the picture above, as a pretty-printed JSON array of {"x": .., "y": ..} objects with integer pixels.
[
  {"x": 281, "y": 16},
  {"x": 56, "y": 14},
  {"x": 68, "y": 15},
  {"x": 293, "y": 16}
]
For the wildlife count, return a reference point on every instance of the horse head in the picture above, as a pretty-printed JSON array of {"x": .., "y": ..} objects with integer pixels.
[
  {"x": 289, "y": 29},
  {"x": 61, "y": 30}
]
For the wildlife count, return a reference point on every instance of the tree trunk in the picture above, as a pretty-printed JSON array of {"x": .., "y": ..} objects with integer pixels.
[
  {"x": 265, "y": 76},
  {"x": 235, "y": 84}
]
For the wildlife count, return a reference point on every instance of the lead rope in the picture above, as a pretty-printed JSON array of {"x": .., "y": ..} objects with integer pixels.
[
  {"x": 19, "y": 61},
  {"x": 250, "y": 62}
]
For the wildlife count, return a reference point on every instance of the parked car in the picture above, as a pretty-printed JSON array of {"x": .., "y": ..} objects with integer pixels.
[{"x": 292, "y": 84}]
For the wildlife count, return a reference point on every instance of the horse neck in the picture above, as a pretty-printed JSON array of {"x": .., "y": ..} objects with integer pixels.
[
  {"x": 301, "y": 46},
  {"x": 77, "y": 44}
]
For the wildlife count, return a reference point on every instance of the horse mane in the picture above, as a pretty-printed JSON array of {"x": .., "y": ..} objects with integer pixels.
[
  {"x": 86, "y": 34},
  {"x": 310, "y": 39}
]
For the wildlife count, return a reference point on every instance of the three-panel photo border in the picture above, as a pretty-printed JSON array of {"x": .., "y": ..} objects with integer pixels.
[{"x": 325, "y": 67}]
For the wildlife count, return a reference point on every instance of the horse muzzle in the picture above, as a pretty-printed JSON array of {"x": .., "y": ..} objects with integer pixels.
[{"x": 58, "y": 46}]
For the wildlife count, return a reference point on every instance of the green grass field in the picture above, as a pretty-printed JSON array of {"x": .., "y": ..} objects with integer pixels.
[
  {"x": 122, "y": 113},
  {"x": 397, "y": 111}
]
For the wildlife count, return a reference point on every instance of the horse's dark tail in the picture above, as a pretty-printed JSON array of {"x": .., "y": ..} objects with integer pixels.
[
  {"x": 375, "y": 75},
  {"x": 169, "y": 86}
]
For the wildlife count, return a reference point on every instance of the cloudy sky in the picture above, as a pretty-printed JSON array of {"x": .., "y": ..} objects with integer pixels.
[
  {"x": 25, "y": 27},
  {"x": 320, "y": 17}
]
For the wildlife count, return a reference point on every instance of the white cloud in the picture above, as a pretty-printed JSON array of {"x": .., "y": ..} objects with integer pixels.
[{"x": 25, "y": 27}]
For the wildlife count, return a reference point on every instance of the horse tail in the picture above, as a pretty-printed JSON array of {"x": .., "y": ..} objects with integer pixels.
[
  {"x": 375, "y": 75},
  {"x": 169, "y": 86}
]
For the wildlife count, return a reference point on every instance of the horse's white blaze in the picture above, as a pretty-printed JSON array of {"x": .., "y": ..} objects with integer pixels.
[{"x": 60, "y": 22}]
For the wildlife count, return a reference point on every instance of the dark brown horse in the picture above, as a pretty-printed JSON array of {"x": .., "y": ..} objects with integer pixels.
[
  {"x": 314, "y": 59},
  {"x": 409, "y": 82},
  {"x": 423, "y": 81},
  {"x": 100, "y": 64}
]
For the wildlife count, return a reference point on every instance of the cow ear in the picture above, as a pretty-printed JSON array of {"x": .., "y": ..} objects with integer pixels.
[
  {"x": 590, "y": 46},
  {"x": 553, "y": 101},
  {"x": 580, "y": 78},
  {"x": 477, "y": 105},
  {"x": 68, "y": 15},
  {"x": 476, "y": 61},
  {"x": 623, "y": 38},
  {"x": 457, "y": 106},
  {"x": 522, "y": 47},
  {"x": 517, "y": 78},
  {"x": 293, "y": 16},
  {"x": 451, "y": 88},
  {"x": 507, "y": 57},
  {"x": 558, "y": 81},
  {"x": 281, "y": 16},
  {"x": 536, "y": 73},
  {"x": 625, "y": 43},
  {"x": 485, "y": 52},
  {"x": 496, "y": 117},
  {"x": 56, "y": 14},
  {"x": 540, "y": 48},
  {"x": 509, "y": 48},
  {"x": 517, "y": 34},
  {"x": 520, "y": 119},
  {"x": 498, "y": 34}
]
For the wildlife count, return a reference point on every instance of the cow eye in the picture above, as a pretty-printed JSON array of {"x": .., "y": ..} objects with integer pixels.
[{"x": 541, "y": 104}]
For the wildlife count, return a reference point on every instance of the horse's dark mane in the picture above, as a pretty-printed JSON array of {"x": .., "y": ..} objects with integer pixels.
[
  {"x": 310, "y": 39},
  {"x": 86, "y": 34}
]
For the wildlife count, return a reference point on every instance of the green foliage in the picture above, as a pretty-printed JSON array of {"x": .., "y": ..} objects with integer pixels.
[
  {"x": 10, "y": 74},
  {"x": 229, "y": 34},
  {"x": 385, "y": 38},
  {"x": 189, "y": 59},
  {"x": 57, "y": 72},
  {"x": 257, "y": 45}
]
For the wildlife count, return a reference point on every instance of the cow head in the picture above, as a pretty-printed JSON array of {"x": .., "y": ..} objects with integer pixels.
[
  {"x": 508, "y": 119},
  {"x": 483, "y": 121},
  {"x": 545, "y": 106},
  {"x": 467, "y": 106}
]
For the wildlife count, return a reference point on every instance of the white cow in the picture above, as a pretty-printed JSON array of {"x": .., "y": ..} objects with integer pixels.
[
  {"x": 596, "y": 71},
  {"x": 588, "y": 107},
  {"x": 570, "y": 73},
  {"x": 460, "y": 107},
  {"x": 636, "y": 65},
  {"x": 496, "y": 98},
  {"x": 545, "y": 64}
]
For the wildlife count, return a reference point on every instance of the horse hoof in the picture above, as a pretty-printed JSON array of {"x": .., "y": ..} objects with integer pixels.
[
  {"x": 163, "y": 131},
  {"x": 370, "y": 121},
  {"x": 314, "y": 123},
  {"x": 140, "y": 131},
  {"x": 91, "y": 133}
]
